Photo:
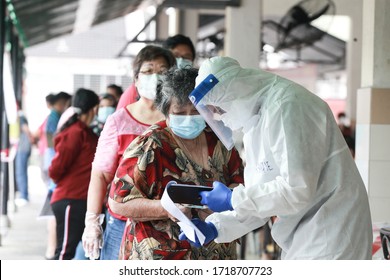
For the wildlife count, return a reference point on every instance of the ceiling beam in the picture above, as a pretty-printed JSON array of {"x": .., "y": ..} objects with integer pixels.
[
  {"x": 202, "y": 4},
  {"x": 85, "y": 15},
  {"x": 158, "y": 11}
]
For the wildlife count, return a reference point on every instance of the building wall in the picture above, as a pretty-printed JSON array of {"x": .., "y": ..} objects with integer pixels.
[{"x": 46, "y": 75}]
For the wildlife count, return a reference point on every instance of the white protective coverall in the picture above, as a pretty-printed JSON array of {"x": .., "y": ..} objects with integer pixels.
[{"x": 298, "y": 167}]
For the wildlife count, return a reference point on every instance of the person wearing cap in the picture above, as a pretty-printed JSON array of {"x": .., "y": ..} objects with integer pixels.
[{"x": 298, "y": 166}]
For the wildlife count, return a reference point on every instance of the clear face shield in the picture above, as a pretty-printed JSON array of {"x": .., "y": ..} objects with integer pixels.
[{"x": 211, "y": 112}]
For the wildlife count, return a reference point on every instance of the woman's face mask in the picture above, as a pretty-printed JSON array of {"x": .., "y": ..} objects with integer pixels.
[
  {"x": 187, "y": 126},
  {"x": 147, "y": 85},
  {"x": 104, "y": 112}
]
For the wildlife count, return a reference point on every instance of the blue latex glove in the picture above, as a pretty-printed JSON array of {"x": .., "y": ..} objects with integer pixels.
[
  {"x": 219, "y": 199},
  {"x": 208, "y": 230}
]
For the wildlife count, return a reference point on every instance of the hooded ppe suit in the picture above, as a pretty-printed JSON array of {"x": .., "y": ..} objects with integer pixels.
[{"x": 298, "y": 166}]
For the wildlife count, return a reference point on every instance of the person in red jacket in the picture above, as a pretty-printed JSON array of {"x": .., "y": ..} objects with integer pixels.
[{"x": 75, "y": 146}]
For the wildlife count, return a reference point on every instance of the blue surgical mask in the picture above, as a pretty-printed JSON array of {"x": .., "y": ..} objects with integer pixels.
[
  {"x": 104, "y": 112},
  {"x": 187, "y": 126},
  {"x": 183, "y": 63}
]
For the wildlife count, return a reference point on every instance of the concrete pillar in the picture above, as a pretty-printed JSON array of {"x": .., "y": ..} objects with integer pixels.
[
  {"x": 162, "y": 26},
  {"x": 188, "y": 24},
  {"x": 242, "y": 40},
  {"x": 373, "y": 108},
  {"x": 3, "y": 216},
  {"x": 184, "y": 22},
  {"x": 354, "y": 55}
]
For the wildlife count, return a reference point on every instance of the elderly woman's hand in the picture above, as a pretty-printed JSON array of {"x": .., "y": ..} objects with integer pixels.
[
  {"x": 186, "y": 211},
  {"x": 204, "y": 213}
]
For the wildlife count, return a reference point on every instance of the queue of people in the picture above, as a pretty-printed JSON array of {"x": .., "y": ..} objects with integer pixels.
[
  {"x": 114, "y": 156},
  {"x": 119, "y": 131}
]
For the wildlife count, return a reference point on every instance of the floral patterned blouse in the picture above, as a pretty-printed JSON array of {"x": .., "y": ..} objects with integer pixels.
[{"x": 148, "y": 164}]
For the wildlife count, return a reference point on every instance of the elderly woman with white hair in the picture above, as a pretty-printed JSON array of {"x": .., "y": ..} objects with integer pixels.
[{"x": 182, "y": 149}]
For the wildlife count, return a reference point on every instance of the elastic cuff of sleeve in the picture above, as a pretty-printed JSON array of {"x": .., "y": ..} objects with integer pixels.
[
  {"x": 215, "y": 231},
  {"x": 230, "y": 201}
]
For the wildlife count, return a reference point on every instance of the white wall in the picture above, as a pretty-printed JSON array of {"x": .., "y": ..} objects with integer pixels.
[{"x": 46, "y": 75}]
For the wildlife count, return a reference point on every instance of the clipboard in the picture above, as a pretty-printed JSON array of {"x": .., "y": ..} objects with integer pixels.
[{"x": 189, "y": 195}]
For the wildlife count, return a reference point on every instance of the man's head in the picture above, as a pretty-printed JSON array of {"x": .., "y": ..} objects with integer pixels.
[
  {"x": 115, "y": 91},
  {"x": 61, "y": 101},
  {"x": 182, "y": 48},
  {"x": 50, "y": 99}
]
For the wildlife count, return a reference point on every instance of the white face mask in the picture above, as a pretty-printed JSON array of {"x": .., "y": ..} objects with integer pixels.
[
  {"x": 147, "y": 85},
  {"x": 183, "y": 63}
]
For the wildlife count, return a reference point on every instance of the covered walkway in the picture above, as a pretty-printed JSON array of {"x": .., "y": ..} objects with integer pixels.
[{"x": 25, "y": 237}]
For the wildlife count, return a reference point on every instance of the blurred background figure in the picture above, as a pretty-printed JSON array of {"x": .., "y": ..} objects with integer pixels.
[
  {"x": 75, "y": 146},
  {"x": 115, "y": 91},
  {"x": 23, "y": 154},
  {"x": 107, "y": 107},
  {"x": 41, "y": 140},
  {"x": 60, "y": 102},
  {"x": 57, "y": 103},
  {"x": 182, "y": 48},
  {"x": 347, "y": 130},
  {"x": 46, "y": 212}
]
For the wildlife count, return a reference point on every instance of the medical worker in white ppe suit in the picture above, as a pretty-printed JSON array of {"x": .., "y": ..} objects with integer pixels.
[{"x": 298, "y": 166}]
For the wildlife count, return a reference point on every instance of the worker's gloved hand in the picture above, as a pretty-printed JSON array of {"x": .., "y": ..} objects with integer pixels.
[
  {"x": 208, "y": 229},
  {"x": 93, "y": 235},
  {"x": 219, "y": 199}
]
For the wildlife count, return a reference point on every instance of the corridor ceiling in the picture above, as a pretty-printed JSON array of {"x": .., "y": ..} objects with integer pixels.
[
  {"x": 38, "y": 21},
  {"x": 42, "y": 20}
]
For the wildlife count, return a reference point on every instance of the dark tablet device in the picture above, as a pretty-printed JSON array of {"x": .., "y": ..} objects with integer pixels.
[{"x": 186, "y": 194}]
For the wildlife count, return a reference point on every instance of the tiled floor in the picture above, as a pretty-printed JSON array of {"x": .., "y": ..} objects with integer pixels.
[{"x": 26, "y": 238}]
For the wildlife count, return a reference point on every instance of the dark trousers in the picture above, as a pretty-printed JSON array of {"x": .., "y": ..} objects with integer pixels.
[{"x": 70, "y": 216}]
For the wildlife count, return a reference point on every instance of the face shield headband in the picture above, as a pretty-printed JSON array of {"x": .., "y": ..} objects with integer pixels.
[{"x": 211, "y": 112}]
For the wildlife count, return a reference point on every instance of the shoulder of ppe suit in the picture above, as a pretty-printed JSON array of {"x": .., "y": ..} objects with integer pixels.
[{"x": 285, "y": 92}]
